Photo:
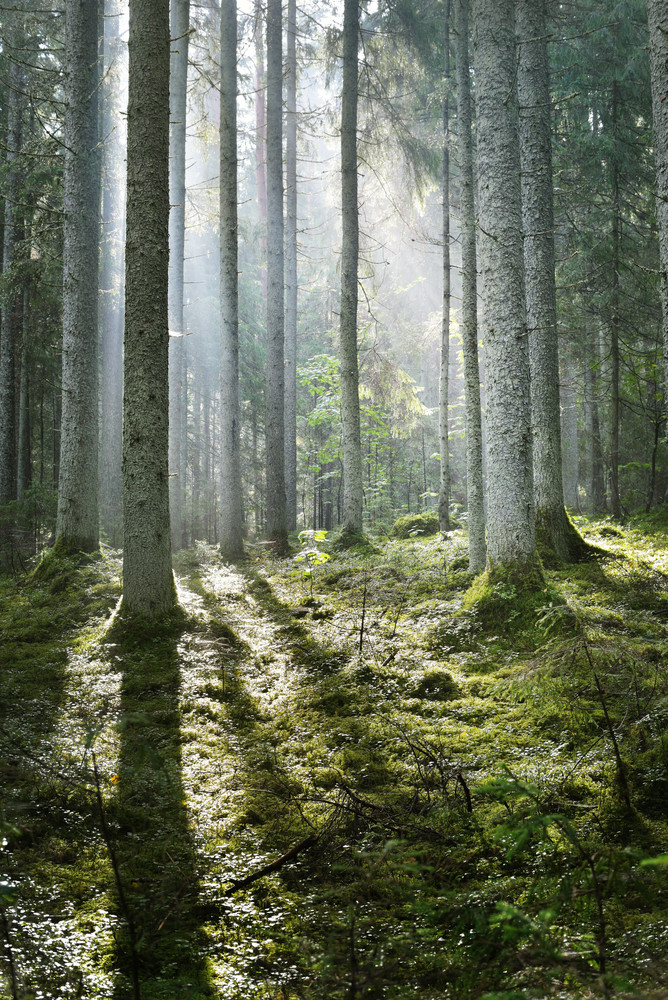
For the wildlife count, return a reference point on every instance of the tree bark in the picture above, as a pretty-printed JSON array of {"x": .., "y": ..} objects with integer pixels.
[
  {"x": 291, "y": 268},
  {"x": 148, "y": 585},
  {"x": 469, "y": 311},
  {"x": 77, "y": 524},
  {"x": 230, "y": 532},
  {"x": 10, "y": 318},
  {"x": 350, "y": 402},
  {"x": 178, "y": 84},
  {"x": 111, "y": 283},
  {"x": 275, "y": 375},
  {"x": 444, "y": 374},
  {"x": 555, "y": 533},
  {"x": 658, "y": 56},
  {"x": 510, "y": 508}
]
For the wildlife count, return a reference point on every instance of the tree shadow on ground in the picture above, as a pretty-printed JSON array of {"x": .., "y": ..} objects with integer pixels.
[
  {"x": 160, "y": 948},
  {"x": 43, "y": 783}
]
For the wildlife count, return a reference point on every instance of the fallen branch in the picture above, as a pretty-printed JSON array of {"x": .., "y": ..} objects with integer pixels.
[{"x": 273, "y": 866}]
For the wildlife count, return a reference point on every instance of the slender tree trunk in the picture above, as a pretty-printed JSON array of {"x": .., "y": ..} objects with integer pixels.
[
  {"x": 350, "y": 401},
  {"x": 10, "y": 320},
  {"x": 275, "y": 375},
  {"x": 569, "y": 453},
  {"x": 148, "y": 585},
  {"x": 615, "y": 504},
  {"x": 77, "y": 526},
  {"x": 554, "y": 531},
  {"x": 469, "y": 312},
  {"x": 291, "y": 268},
  {"x": 658, "y": 55},
  {"x": 261, "y": 147},
  {"x": 111, "y": 284},
  {"x": 178, "y": 83},
  {"x": 230, "y": 531},
  {"x": 510, "y": 507},
  {"x": 24, "y": 462},
  {"x": 444, "y": 377}
]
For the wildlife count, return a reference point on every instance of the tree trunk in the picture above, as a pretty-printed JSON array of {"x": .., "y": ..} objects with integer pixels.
[
  {"x": 261, "y": 148},
  {"x": 291, "y": 268},
  {"x": 555, "y": 533},
  {"x": 569, "y": 453},
  {"x": 615, "y": 504},
  {"x": 469, "y": 311},
  {"x": 148, "y": 585},
  {"x": 444, "y": 375},
  {"x": 111, "y": 283},
  {"x": 230, "y": 530},
  {"x": 178, "y": 83},
  {"x": 77, "y": 525},
  {"x": 275, "y": 375},
  {"x": 510, "y": 507},
  {"x": 10, "y": 321},
  {"x": 24, "y": 461},
  {"x": 658, "y": 55},
  {"x": 350, "y": 401}
]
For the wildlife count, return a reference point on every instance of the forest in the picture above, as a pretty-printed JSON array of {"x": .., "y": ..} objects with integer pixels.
[{"x": 333, "y": 499}]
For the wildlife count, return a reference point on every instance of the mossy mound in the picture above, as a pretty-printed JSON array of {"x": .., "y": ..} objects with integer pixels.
[
  {"x": 437, "y": 685},
  {"x": 514, "y": 602},
  {"x": 348, "y": 539},
  {"x": 415, "y": 524}
]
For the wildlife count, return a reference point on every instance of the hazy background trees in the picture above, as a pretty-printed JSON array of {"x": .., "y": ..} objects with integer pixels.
[{"x": 608, "y": 316}]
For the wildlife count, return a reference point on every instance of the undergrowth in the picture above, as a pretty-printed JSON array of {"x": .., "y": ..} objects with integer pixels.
[{"x": 333, "y": 779}]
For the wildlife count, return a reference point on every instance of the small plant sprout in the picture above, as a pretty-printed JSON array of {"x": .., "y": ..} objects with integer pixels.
[{"x": 311, "y": 555}]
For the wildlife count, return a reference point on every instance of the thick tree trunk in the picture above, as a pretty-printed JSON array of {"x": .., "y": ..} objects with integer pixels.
[
  {"x": 10, "y": 320},
  {"x": 555, "y": 533},
  {"x": 469, "y": 313},
  {"x": 77, "y": 525},
  {"x": 510, "y": 507},
  {"x": 291, "y": 268},
  {"x": 111, "y": 284},
  {"x": 148, "y": 585},
  {"x": 444, "y": 375},
  {"x": 595, "y": 486},
  {"x": 615, "y": 503},
  {"x": 350, "y": 401},
  {"x": 230, "y": 530},
  {"x": 658, "y": 55},
  {"x": 178, "y": 83},
  {"x": 275, "y": 375}
]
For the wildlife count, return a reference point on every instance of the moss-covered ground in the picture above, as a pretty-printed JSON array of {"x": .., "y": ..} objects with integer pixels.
[{"x": 455, "y": 805}]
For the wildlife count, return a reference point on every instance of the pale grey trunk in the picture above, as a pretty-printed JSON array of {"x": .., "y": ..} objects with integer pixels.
[
  {"x": 261, "y": 148},
  {"x": 658, "y": 54},
  {"x": 275, "y": 376},
  {"x": 510, "y": 508},
  {"x": 10, "y": 320},
  {"x": 291, "y": 267},
  {"x": 178, "y": 83},
  {"x": 469, "y": 310},
  {"x": 230, "y": 524},
  {"x": 350, "y": 401},
  {"x": 444, "y": 374},
  {"x": 111, "y": 281},
  {"x": 569, "y": 404},
  {"x": 77, "y": 524},
  {"x": 148, "y": 585},
  {"x": 533, "y": 87}
]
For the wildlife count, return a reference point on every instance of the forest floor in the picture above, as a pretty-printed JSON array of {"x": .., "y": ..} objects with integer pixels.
[{"x": 419, "y": 807}]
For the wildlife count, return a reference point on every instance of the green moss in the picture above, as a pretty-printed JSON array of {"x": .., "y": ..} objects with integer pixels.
[
  {"x": 411, "y": 525},
  {"x": 357, "y": 541},
  {"x": 514, "y": 601}
]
